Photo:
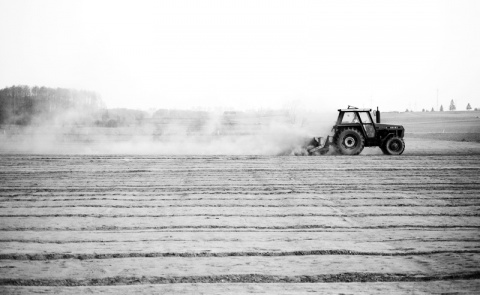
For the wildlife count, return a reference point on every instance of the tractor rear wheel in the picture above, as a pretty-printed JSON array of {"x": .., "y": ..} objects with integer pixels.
[
  {"x": 350, "y": 142},
  {"x": 394, "y": 146}
]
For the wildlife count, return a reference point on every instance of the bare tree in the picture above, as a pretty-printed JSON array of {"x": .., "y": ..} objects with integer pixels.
[{"x": 452, "y": 106}]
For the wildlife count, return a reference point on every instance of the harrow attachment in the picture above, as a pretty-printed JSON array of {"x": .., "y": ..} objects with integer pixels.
[{"x": 319, "y": 146}]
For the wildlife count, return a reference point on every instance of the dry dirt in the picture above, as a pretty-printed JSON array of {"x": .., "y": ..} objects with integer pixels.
[{"x": 243, "y": 224}]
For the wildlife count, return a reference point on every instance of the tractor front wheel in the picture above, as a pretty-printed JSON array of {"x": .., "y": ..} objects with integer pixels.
[
  {"x": 394, "y": 146},
  {"x": 350, "y": 142}
]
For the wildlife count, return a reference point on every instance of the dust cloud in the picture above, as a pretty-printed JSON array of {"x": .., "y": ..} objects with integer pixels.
[{"x": 168, "y": 132}]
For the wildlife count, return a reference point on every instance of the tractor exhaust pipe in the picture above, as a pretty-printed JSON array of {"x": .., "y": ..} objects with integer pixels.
[{"x": 377, "y": 116}]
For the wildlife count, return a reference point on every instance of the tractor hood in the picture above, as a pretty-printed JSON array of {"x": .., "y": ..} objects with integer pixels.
[{"x": 388, "y": 127}]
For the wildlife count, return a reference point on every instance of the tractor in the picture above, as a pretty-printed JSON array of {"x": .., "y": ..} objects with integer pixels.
[{"x": 355, "y": 130}]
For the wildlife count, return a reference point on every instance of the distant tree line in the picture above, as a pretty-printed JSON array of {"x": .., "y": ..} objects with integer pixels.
[
  {"x": 20, "y": 104},
  {"x": 452, "y": 107}
]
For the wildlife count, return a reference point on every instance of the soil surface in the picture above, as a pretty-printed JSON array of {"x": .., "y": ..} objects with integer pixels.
[{"x": 366, "y": 224}]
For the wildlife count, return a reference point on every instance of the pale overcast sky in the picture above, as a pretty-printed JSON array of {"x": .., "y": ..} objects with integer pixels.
[{"x": 247, "y": 54}]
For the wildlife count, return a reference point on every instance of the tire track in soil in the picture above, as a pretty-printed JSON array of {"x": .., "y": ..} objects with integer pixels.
[
  {"x": 261, "y": 189},
  {"x": 244, "y": 278},
  {"x": 59, "y": 256},
  {"x": 243, "y": 206},
  {"x": 234, "y": 228},
  {"x": 170, "y": 240},
  {"x": 53, "y": 199},
  {"x": 239, "y": 215}
]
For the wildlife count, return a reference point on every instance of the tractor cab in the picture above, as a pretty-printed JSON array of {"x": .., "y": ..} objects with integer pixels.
[{"x": 357, "y": 118}]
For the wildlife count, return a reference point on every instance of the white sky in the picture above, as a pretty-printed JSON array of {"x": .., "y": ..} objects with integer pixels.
[{"x": 247, "y": 54}]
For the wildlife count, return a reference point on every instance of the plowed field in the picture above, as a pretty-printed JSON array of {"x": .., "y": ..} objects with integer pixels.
[{"x": 231, "y": 224}]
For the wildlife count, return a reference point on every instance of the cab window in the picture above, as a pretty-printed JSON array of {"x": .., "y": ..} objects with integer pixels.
[
  {"x": 349, "y": 117},
  {"x": 365, "y": 118}
]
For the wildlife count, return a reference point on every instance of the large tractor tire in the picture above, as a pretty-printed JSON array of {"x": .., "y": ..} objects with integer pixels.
[
  {"x": 350, "y": 142},
  {"x": 393, "y": 146}
]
